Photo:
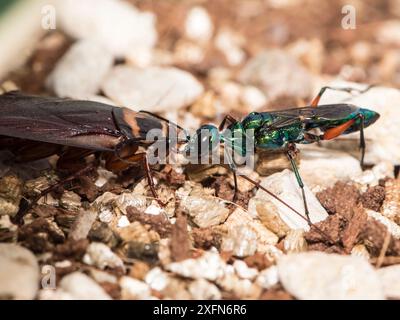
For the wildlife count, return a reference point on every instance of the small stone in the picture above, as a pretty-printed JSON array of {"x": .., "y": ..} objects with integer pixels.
[
  {"x": 70, "y": 200},
  {"x": 209, "y": 266},
  {"x": 106, "y": 215},
  {"x": 139, "y": 270},
  {"x": 389, "y": 277},
  {"x": 102, "y": 276},
  {"x": 123, "y": 222},
  {"x": 393, "y": 227},
  {"x": 101, "y": 232},
  {"x": 269, "y": 217},
  {"x": 241, "y": 241},
  {"x": 317, "y": 275},
  {"x": 203, "y": 290},
  {"x": 134, "y": 289},
  {"x": 243, "y": 271},
  {"x": 389, "y": 32},
  {"x": 240, "y": 288},
  {"x": 360, "y": 250},
  {"x": 295, "y": 242},
  {"x": 101, "y": 256},
  {"x": 117, "y": 25},
  {"x": 154, "y": 89},
  {"x": 285, "y": 186},
  {"x": 270, "y": 69},
  {"x": 157, "y": 279},
  {"x": 104, "y": 175},
  {"x": 268, "y": 278},
  {"x": 126, "y": 199},
  {"x": 205, "y": 211},
  {"x": 188, "y": 53},
  {"x": 391, "y": 204},
  {"x": 82, "y": 225},
  {"x": 243, "y": 184},
  {"x": 147, "y": 252},
  {"x": 321, "y": 168},
  {"x": 372, "y": 177},
  {"x": 34, "y": 187},
  {"x": 78, "y": 286},
  {"x": 19, "y": 273},
  {"x": 205, "y": 106},
  {"x": 135, "y": 231},
  {"x": 230, "y": 43},
  {"x": 198, "y": 25},
  {"x": 80, "y": 71},
  {"x": 253, "y": 98},
  {"x": 10, "y": 195},
  {"x": 176, "y": 290},
  {"x": 153, "y": 210},
  {"x": 247, "y": 235},
  {"x": 270, "y": 162}
]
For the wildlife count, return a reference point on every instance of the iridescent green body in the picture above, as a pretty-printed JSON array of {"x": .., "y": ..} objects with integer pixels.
[{"x": 274, "y": 130}]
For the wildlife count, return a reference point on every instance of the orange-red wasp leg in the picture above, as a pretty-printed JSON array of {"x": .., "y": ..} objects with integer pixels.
[
  {"x": 315, "y": 101},
  {"x": 337, "y": 131}
]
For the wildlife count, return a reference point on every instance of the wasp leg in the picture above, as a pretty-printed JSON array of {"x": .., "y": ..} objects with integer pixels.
[
  {"x": 315, "y": 101},
  {"x": 229, "y": 118},
  {"x": 362, "y": 140},
  {"x": 337, "y": 131},
  {"x": 232, "y": 167},
  {"x": 291, "y": 153}
]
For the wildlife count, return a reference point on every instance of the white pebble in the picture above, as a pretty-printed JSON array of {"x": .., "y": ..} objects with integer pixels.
[
  {"x": 198, "y": 25},
  {"x": 153, "y": 89},
  {"x": 80, "y": 72}
]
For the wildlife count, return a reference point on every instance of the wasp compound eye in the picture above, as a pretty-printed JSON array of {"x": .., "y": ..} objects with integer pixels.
[{"x": 204, "y": 141}]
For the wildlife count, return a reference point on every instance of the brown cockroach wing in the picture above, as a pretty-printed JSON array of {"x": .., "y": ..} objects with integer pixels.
[{"x": 83, "y": 124}]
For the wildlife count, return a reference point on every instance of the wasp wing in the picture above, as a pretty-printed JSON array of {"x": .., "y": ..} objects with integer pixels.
[
  {"x": 288, "y": 117},
  {"x": 327, "y": 112}
]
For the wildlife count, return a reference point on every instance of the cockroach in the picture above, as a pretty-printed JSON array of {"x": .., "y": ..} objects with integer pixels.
[{"x": 36, "y": 127}]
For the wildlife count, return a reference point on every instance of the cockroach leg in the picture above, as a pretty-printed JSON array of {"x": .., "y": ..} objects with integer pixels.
[
  {"x": 142, "y": 157},
  {"x": 26, "y": 205},
  {"x": 150, "y": 178}
]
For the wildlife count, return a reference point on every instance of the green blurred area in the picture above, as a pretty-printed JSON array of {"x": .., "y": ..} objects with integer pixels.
[{"x": 4, "y": 4}]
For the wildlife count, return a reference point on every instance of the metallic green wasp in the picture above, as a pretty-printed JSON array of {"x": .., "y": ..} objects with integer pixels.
[{"x": 283, "y": 129}]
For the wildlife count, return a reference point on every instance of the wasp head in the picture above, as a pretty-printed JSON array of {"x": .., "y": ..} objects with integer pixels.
[{"x": 203, "y": 142}]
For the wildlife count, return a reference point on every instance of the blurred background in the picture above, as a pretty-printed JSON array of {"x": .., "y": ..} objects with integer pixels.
[{"x": 226, "y": 56}]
